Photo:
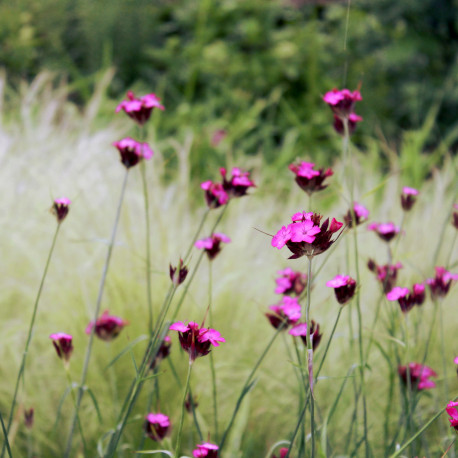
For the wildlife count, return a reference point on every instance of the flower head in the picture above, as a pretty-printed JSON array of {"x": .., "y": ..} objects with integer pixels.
[
  {"x": 206, "y": 450},
  {"x": 453, "y": 413},
  {"x": 300, "y": 330},
  {"x": 179, "y": 273},
  {"x": 344, "y": 288},
  {"x": 455, "y": 216},
  {"x": 419, "y": 376},
  {"x": 215, "y": 195},
  {"x": 386, "y": 231},
  {"x": 407, "y": 300},
  {"x": 107, "y": 327},
  {"x": 408, "y": 198},
  {"x": 196, "y": 341},
  {"x": 441, "y": 283},
  {"x": 60, "y": 208},
  {"x": 342, "y": 102},
  {"x": 162, "y": 353},
  {"x": 157, "y": 426},
  {"x": 386, "y": 274},
  {"x": 309, "y": 179},
  {"x": 63, "y": 345},
  {"x": 132, "y": 152},
  {"x": 339, "y": 126},
  {"x": 139, "y": 109},
  {"x": 29, "y": 417},
  {"x": 361, "y": 214},
  {"x": 290, "y": 282},
  {"x": 283, "y": 451},
  {"x": 286, "y": 312},
  {"x": 238, "y": 184},
  {"x": 212, "y": 245}
]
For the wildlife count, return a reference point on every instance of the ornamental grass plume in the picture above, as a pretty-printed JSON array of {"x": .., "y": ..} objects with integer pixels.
[
  {"x": 386, "y": 231},
  {"x": 386, "y": 274},
  {"x": 300, "y": 330},
  {"x": 212, "y": 244},
  {"x": 290, "y": 282},
  {"x": 156, "y": 426},
  {"x": 440, "y": 285},
  {"x": 107, "y": 327},
  {"x": 407, "y": 300},
  {"x": 206, "y": 450},
  {"x": 139, "y": 109},
  {"x": 179, "y": 273},
  {"x": 285, "y": 313},
  {"x": 309, "y": 179},
  {"x": 305, "y": 237},
  {"x": 132, "y": 152},
  {"x": 408, "y": 198},
  {"x": 60, "y": 208},
  {"x": 419, "y": 376},
  {"x": 361, "y": 215},
  {"x": 344, "y": 288},
  {"x": 453, "y": 413},
  {"x": 63, "y": 344}
]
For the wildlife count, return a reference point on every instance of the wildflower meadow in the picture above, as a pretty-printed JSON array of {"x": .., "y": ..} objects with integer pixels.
[{"x": 304, "y": 307}]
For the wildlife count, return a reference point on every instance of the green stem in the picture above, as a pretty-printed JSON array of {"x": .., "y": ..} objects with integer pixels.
[
  {"x": 96, "y": 313},
  {"x": 194, "y": 416},
  {"x": 398, "y": 238},
  {"x": 180, "y": 426},
  {"x": 201, "y": 225},
  {"x": 29, "y": 336},
  {"x": 5, "y": 434},
  {"x": 443, "y": 351}
]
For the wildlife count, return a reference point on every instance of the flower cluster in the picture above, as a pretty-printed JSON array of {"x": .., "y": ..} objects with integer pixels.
[
  {"x": 290, "y": 282},
  {"x": 285, "y": 313},
  {"x": 309, "y": 179},
  {"x": 63, "y": 344},
  {"x": 304, "y": 236},
  {"x": 157, "y": 426},
  {"x": 212, "y": 245},
  {"x": 60, "y": 208},
  {"x": 361, "y": 214},
  {"x": 453, "y": 413},
  {"x": 408, "y": 198},
  {"x": 206, "y": 450},
  {"x": 344, "y": 288},
  {"x": 196, "y": 341},
  {"x": 139, "y": 109},
  {"x": 342, "y": 104},
  {"x": 441, "y": 283},
  {"x": 419, "y": 376},
  {"x": 407, "y": 300},
  {"x": 300, "y": 330},
  {"x": 132, "y": 152},
  {"x": 386, "y": 274},
  {"x": 386, "y": 231},
  {"x": 107, "y": 327}
]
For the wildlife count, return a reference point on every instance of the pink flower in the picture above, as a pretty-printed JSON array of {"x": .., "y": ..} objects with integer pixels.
[
  {"x": 238, "y": 184},
  {"x": 408, "y": 198},
  {"x": 309, "y": 179},
  {"x": 441, "y": 283},
  {"x": 196, "y": 341},
  {"x": 361, "y": 214},
  {"x": 286, "y": 312},
  {"x": 290, "y": 282},
  {"x": 419, "y": 376},
  {"x": 386, "y": 274},
  {"x": 156, "y": 426},
  {"x": 132, "y": 152},
  {"x": 139, "y": 109},
  {"x": 344, "y": 288},
  {"x": 63, "y": 345},
  {"x": 206, "y": 450},
  {"x": 342, "y": 102},
  {"x": 107, "y": 327},
  {"x": 217, "y": 137},
  {"x": 300, "y": 330},
  {"x": 162, "y": 353},
  {"x": 60, "y": 208},
  {"x": 353, "y": 119},
  {"x": 179, "y": 273},
  {"x": 407, "y": 300},
  {"x": 215, "y": 195},
  {"x": 453, "y": 413},
  {"x": 386, "y": 231},
  {"x": 212, "y": 245},
  {"x": 455, "y": 360},
  {"x": 283, "y": 452},
  {"x": 29, "y": 417}
]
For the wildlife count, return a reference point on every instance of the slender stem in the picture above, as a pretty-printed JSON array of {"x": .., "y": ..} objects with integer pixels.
[
  {"x": 398, "y": 238},
  {"x": 201, "y": 225},
  {"x": 449, "y": 257},
  {"x": 180, "y": 426},
  {"x": 96, "y": 313},
  {"x": 194, "y": 416},
  {"x": 5, "y": 434},
  {"x": 29, "y": 335},
  {"x": 443, "y": 351}
]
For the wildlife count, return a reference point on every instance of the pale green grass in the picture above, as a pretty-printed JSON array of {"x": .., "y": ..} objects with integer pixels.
[{"x": 49, "y": 149}]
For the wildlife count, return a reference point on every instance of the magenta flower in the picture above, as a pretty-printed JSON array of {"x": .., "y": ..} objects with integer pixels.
[
  {"x": 441, "y": 283},
  {"x": 453, "y": 413},
  {"x": 286, "y": 312},
  {"x": 407, "y": 300},
  {"x": 196, "y": 341},
  {"x": 339, "y": 127},
  {"x": 132, "y": 152},
  {"x": 206, "y": 450},
  {"x": 162, "y": 353},
  {"x": 215, "y": 195},
  {"x": 386, "y": 231},
  {"x": 157, "y": 426},
  {"x": 386, "y": 274},
  {"x": 342, "y": 102},
  {"x": 212, "y": 245},
  {"x": 419, "y": 376},
  {"x": 29, "y": 417},
  {"x": 361, "y": 215},
  {"x": 455, "y": 216},
  {"x": 107, "y": 327},
  {"x": 344, "y": 288},
  {"x": 63, "y": 345},
  {"x": 238, "y": 184},
  {"x": 60, "y": 208},
  {"x": 218, "y": 136},
  {"x": 179, "y": 273},
  {"x": 290, "y": 282},
  {"x": 300, "y": 330},
  {"x": 309, "y": 179},
  {"x": 283, "y": 451},
  {"x": 408, "y": 198},
  {"x": 139, "y": 109},
  {"x": 304, "y": 236}
]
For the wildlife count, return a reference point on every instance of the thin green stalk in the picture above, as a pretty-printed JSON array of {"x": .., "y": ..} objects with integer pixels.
[
  {"x": 5, "y": 435},
  {"x": 96, "y": 314},
  {"x": 409, "y": 392},
  {"x": 180, "y": 425},
  {"x": 443, "y": 351},
  {"x": 398, "y": 238},
  {"x": 194, "y": 416},
  {"x": 29, "y": 336},
  {"x": 201, "y": 225},
  {"x": 298, "y": 424},
  {"x": 452, "y": 246}
]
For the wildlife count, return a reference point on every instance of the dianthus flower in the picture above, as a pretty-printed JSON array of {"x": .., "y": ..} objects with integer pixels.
[
  {"x": 157, "y": 426},
  {"x": 132, "y": 152},
  {"x": 162, "y": 353},
  {"x": 215, "y": 195},
  {"x": 60, "y": 208},
  {"x": 238, "y": 184},
  {"x": 453, "y": 413},
  {"x": 194, "y": 340},
  {"x": 361, "y": 214},
  {"x": 290, "y": 282},
  {"x": 63, "y": 345},
  {"x": 419, "y": 376},
  {"x": 304, "y": 236},
  {"x": 139, "y": 109},
  {"x": 179, "y": 273},
  {"x": 353, "y": 119},
  {"x": 407, "y": 300},
  {"x": 206, "y": 450},
  {"x": 386, "y": 231},
  {"x": 441, "y": 283},
  {"x": 455, "y": 216},
  {"x": 212, "y": 245},
  {"x": 386, "y": 274},
  {"x": 309, "y": 179},
  {"x": 300, "y": 330},
  {"x": 283, "y": 452},
  {"x": 286, "y": 312},
  {"x": 342, "y": 102},
  {"x": 408, "y": 198},
  {"x": 29, "y": 417},
  {"x": 107, "y": 327},
  {"x": 344, "y": 288}
]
